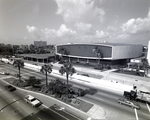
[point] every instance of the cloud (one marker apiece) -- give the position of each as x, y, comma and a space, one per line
101, 34
63, 31
83, 27
80, 11
137, 26
33, 31
111, 28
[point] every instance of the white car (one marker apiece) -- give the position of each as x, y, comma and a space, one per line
32, 100
4, 73
129, 103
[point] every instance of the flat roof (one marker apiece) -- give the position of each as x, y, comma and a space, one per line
39, 56
106, 44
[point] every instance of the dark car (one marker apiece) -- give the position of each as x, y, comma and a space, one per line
10, 88
85, 75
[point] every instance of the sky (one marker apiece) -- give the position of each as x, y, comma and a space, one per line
74, 21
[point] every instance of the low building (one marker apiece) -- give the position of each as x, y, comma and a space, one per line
24, 47
43, 58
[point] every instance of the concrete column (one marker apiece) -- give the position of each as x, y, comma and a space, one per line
78, 60
69, 59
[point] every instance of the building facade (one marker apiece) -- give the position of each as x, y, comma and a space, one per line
40, 43
107, 53
148, 53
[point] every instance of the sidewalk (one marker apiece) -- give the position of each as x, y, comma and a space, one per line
89, 110
142, 83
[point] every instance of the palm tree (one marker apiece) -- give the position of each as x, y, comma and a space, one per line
145, 66
47, 68
67, 69
18, 63
98, 52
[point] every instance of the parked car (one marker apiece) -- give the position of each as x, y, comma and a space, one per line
84, 74
129, 103
10, 88
32, 100
98, 67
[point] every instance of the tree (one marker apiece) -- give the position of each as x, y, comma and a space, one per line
98, 52
67, 69
47, 68
64, 51
145, 66
18, 63
32, 81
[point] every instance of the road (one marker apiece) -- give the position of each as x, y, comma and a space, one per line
14, 107
103, 98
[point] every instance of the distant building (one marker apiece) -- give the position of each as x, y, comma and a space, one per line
2, 44
24, 47
16, 47
103, 53
8, 45
40, 43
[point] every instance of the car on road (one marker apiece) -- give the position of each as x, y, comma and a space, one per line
129, 103
10, 88
4, 73
32, 100
84, 74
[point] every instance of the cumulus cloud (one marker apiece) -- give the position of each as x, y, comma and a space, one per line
136, 26
63, 31
83, 27
33, 31
80, 10
101, 34
111, 28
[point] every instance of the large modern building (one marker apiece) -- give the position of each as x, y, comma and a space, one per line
105, 53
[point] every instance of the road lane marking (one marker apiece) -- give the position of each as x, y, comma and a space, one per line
56, 112
146, 114
27, 92
136, 115
72, 115
148, 107
39, 118
45, 106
